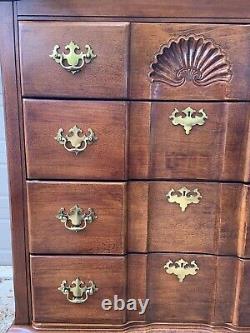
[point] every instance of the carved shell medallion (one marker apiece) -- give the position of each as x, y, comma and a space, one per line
190, 58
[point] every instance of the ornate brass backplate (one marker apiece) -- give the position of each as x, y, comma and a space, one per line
188, 118
181, 268
184, 197
74, 141
78, 292
73, 61
76, 220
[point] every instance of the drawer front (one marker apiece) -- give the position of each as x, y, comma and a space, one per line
177, 294
51, 305
104, 68
190, 61
52, 153
188, 217
60, 227
180, 140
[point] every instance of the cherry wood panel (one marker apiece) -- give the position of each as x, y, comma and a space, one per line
47, 159
159, 149
104, 77
224, 300
106, 234
51, 306
15, 162
134, 328
217, 224
147, 39
196, 298
137, 8
243, 304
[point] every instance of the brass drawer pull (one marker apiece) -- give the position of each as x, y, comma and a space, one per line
184, 197
76, 220
73, 141
181, 268
73, 62
78, 292
188, 118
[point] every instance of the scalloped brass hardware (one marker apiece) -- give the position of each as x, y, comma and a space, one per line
73, 142
181, 268
76, 220
78, 292
190, 118
184, 197
73, 62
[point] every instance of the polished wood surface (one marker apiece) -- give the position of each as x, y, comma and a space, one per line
202, 298
47, 159
197, 298
137, 8
158, 149
104, 77
216, 225
107, 234
50, 305
138, 158
15, 162
146, 40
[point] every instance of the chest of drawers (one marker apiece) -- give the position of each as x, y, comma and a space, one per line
128, 129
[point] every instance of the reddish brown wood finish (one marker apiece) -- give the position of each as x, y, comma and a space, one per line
217, 298
146, 40
51, 306
47, 159
104, 77
107, 234
15, 170
158, 149
137, 8
217, 224
170, 300
196, 298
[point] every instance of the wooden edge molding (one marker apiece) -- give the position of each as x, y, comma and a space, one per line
151, 328
7, 61
137, 8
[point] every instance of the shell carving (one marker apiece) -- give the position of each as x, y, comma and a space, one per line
190, 58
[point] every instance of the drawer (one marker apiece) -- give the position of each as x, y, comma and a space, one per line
179, 140
58, 226
75, 71
56, 148
190, 61
189, 217
191, 288
51, 305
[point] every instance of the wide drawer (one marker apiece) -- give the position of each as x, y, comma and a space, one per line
190, 61
189, 217
101, 74
77, 218
57, 149
51, 305
187, 288
190, 140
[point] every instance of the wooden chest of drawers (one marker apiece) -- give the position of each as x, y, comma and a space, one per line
128, 128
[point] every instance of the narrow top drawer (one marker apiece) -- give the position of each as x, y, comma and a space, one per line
53, 65
190, 61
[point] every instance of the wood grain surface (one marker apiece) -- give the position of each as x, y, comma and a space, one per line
147, 39
104, 77
47, 159
160, 150
107, 234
